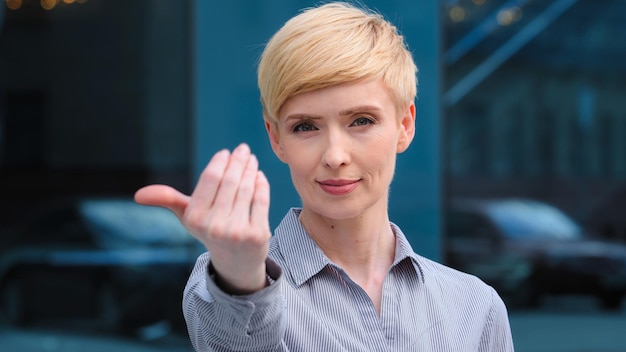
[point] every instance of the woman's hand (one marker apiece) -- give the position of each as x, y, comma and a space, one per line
228, 212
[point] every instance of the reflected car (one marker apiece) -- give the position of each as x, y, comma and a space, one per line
109, 261
527, 249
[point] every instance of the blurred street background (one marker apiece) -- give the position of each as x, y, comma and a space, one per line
517, 173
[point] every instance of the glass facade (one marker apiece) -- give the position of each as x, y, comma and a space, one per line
534, 102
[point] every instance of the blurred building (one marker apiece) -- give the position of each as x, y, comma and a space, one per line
535, 102
94, 99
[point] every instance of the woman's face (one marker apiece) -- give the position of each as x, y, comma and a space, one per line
340, 144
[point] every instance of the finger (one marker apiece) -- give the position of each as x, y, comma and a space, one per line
227, 192
210, 179
163, 196
260, 210
245, 191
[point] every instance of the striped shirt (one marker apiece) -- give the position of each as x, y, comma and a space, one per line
312, 305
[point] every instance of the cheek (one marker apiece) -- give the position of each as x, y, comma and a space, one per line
299, 164
383, 146
382, 156
300, 176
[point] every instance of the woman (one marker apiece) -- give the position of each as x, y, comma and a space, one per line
338, 88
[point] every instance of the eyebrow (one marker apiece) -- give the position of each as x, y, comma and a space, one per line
360, 108
302, 117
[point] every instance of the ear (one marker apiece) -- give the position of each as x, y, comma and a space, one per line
406, 128
272, 133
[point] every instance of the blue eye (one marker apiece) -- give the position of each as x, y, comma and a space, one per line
362, 121
304, 127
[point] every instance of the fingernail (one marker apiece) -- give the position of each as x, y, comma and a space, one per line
243, 148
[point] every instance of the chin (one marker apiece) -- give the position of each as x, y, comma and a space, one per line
337, 210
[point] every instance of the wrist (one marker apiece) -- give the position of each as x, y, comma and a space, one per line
240, 284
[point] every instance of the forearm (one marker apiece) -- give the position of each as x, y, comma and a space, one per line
217, 321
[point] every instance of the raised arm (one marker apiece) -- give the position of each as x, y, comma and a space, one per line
228, 212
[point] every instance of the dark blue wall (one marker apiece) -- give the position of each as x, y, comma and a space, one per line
229, 37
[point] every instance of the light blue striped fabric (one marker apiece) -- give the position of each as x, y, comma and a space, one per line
314, 306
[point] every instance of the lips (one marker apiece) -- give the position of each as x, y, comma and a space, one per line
338, 187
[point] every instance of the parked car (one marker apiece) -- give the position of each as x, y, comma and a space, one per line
527, 248
608, 217
110, 261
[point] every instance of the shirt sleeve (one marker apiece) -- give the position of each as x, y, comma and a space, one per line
496, 335
217, 321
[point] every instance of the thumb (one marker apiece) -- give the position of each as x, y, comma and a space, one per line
163, 196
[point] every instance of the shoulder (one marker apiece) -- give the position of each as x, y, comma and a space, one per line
436, 275
468, 299
442, 271
454, 285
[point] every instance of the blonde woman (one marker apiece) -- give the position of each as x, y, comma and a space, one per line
338, 87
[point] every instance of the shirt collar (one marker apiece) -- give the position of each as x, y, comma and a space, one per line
404, 251
304, 258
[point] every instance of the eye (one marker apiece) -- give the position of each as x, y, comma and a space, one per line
304, 127
362, 121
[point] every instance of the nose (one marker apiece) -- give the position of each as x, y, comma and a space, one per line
337, 150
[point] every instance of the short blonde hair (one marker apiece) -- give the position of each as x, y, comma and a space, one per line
333, 44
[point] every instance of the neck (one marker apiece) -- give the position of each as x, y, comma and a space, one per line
362, 246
